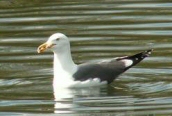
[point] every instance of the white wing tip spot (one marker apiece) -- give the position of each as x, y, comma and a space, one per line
127, 62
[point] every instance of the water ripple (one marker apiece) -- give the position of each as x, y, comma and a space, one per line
97, 30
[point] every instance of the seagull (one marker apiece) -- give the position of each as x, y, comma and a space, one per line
69, 74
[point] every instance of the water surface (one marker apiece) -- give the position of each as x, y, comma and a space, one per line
97, 30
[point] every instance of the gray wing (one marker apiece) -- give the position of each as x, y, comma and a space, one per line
105, 71
109, 70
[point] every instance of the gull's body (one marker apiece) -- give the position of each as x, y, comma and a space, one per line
68, 74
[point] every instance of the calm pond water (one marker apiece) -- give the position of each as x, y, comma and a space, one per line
97, 30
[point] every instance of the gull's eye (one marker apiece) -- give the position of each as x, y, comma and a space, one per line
57, 39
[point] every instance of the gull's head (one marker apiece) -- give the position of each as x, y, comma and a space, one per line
56, 42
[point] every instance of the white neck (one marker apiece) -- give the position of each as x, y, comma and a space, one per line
64, 68
63, 64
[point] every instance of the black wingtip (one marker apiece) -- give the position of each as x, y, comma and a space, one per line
147, 52
139, 57
142, 55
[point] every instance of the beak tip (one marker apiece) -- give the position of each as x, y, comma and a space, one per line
38, 52
42, 48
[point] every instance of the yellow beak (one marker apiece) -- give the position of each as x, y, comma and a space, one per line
44, 46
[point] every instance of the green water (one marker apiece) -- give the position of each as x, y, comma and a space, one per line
97, 30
